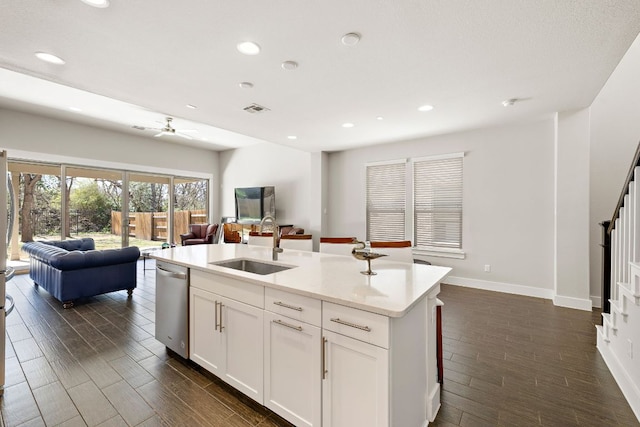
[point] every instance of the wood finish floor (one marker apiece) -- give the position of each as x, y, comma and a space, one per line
521, 361
509, 361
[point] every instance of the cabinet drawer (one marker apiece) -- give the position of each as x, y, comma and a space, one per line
294, 306
361, 325
238, 290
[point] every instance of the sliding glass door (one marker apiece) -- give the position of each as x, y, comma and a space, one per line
37, 213
114, 207
191, 196
148, 218
93, 202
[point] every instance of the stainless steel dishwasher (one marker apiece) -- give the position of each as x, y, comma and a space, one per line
172, 307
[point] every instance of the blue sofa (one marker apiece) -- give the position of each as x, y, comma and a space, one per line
72, 269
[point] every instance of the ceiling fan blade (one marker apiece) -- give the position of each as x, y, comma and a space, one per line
189, 130
158, 134
183, 135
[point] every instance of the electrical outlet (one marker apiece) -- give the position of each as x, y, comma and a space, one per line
630, 350
487, 268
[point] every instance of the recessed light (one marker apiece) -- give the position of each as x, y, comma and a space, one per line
292, 137
97, 3
289, 65
245, 85
193, 107
48, 57
425, 108
350, 39
76, 109
347, 125
248, 48
379, 118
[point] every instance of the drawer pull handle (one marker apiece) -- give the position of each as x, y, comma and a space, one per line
221, 327
280, 322
353, 325
216, 316
324, 359
281, 304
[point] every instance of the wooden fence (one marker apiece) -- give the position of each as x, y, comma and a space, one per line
154, 226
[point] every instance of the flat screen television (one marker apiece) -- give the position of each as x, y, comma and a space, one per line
253, 203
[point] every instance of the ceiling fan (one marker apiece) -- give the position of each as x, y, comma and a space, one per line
168, 130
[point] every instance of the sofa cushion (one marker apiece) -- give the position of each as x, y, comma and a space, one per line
64, 260
84, 244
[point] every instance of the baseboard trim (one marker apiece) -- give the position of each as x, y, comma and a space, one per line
570, 302
629, 389
596, 301
509, 288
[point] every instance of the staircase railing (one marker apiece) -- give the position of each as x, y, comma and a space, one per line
625, 189
621, 321
621, 243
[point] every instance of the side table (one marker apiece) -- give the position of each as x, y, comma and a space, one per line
146, 254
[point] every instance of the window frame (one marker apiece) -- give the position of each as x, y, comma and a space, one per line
409, 206
406, 191
437, 251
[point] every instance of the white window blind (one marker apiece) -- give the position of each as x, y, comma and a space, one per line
437, 199
386, 201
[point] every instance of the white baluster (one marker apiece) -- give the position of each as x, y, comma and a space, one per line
614, 264
623, 245
628, 231
632, 221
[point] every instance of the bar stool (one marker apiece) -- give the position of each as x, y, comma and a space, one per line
395, 251
300, 242
337, 245
257, 239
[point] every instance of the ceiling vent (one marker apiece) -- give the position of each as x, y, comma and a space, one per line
255, 109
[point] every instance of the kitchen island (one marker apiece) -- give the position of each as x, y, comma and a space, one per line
319, 343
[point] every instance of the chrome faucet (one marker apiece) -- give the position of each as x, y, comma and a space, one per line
276, 231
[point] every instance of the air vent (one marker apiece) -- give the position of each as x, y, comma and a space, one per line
138, 127
255, 109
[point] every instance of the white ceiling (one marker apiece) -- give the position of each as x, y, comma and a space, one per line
136, 62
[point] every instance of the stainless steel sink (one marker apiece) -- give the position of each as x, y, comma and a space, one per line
252, 266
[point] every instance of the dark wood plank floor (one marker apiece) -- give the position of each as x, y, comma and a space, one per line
520, 361
509, 361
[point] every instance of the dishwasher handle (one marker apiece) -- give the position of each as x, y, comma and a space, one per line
172, 274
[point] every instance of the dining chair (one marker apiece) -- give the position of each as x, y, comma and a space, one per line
300, 242
257, 239
231, 233
395, 251
337, 245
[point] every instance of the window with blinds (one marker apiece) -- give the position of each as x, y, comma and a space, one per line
386, 200
437, 201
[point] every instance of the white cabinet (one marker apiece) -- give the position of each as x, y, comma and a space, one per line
377, 369
205, 342
313, 362
292, 376
355, 390
227, 339
292, 386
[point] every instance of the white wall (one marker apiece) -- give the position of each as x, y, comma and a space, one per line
572, 211
41, 138
267, 164
508, 199
615, 134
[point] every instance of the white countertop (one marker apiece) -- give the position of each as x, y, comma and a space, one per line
334, 278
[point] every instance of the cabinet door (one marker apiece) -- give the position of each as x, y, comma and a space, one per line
205, 341
355, 389
292, 375
242, 333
